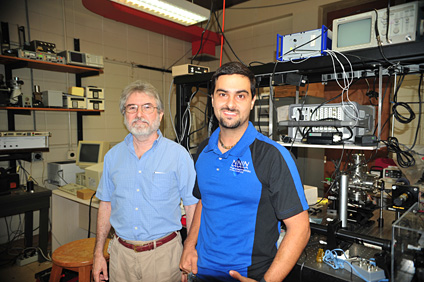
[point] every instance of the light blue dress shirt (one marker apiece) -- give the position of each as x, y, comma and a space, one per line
145, 193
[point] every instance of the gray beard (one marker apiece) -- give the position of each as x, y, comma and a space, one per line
142, 131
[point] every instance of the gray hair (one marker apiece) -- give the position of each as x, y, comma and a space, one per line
140, 86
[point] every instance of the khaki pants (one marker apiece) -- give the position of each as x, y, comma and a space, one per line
157, 265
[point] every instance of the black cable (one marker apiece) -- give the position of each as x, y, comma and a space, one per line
335, 97
89, 215
300, 113
7, 229
27, 173
202, 111
186, 118
398, 116
201, 128
419, 113
178, 59
197, 130
404, 158
256, 62
203, 32
401, 118
351, 134
322, 104
225, 38
373, 93
388, 86
377, 35
349, 154
310, 128
16, 234
204, 121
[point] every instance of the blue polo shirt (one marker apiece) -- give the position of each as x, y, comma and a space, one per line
145, 193
245, 193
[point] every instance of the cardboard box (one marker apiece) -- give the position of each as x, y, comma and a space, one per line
85, 194
311, 193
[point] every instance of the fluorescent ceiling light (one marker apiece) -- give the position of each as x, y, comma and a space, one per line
179, 11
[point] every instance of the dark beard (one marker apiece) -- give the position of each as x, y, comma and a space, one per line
225, 125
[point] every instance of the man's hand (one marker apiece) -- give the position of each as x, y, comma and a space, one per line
239, 277
188, 262
100, 268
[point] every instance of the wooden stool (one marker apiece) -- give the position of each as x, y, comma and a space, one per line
76, 256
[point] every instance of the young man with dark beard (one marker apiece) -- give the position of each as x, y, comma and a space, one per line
246, 184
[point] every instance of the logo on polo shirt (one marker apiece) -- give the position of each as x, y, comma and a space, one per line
239, 166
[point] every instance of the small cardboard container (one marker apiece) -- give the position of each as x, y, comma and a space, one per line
85, 194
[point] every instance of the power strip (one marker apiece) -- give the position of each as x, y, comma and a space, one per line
24, 261
366, 268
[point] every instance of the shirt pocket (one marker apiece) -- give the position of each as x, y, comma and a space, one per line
163, 185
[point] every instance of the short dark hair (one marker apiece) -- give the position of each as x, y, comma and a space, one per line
234, 68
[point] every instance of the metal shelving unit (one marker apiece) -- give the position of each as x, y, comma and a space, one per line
12, 63
369, 62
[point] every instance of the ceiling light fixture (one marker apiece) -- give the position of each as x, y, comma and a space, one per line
179, 11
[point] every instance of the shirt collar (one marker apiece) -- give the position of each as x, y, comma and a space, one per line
239, 149
129, 141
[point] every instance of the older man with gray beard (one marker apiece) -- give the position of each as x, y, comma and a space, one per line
144, 178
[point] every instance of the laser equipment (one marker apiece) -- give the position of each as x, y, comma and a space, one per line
329, 121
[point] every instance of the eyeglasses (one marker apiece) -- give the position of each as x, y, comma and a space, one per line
146, 108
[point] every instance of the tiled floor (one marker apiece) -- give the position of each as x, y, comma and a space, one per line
26, 273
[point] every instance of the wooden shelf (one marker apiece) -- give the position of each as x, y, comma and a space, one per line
19, 151
15, 63
11, 63
50, 109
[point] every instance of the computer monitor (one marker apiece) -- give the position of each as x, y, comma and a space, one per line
92, 176
91, 152
354, 32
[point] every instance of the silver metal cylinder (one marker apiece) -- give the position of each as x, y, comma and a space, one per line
343, 199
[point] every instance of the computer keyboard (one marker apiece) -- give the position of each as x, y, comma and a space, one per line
71, 188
